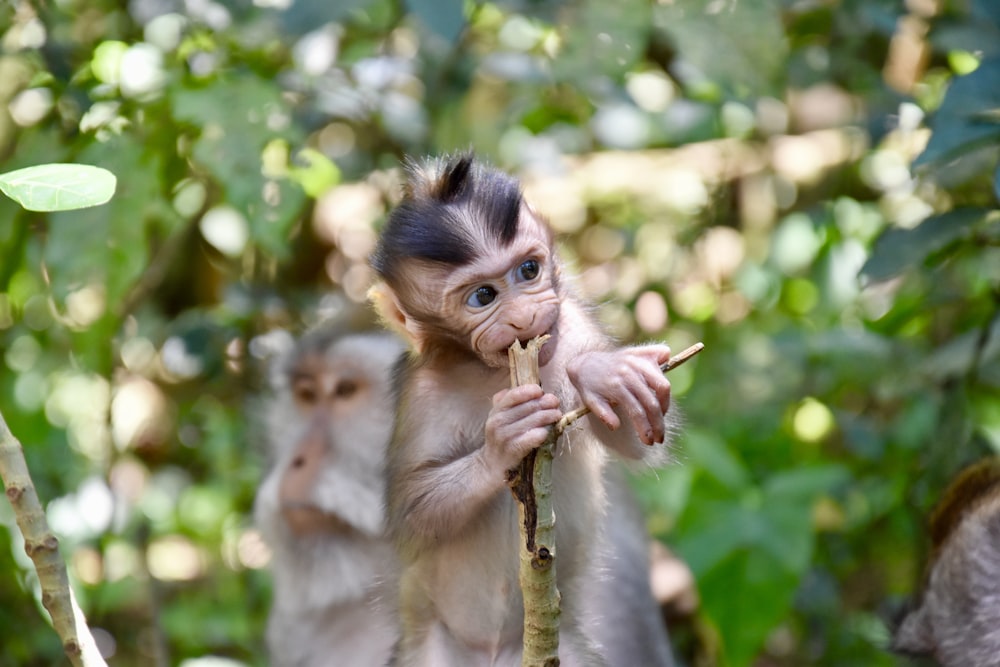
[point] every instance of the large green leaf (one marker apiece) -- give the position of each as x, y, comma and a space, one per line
740, 46
897, 250
968, 117
746, 597
748, 558
804, 484
708, 450
749, 552
58, 187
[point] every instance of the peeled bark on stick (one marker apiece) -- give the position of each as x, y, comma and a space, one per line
531, 485
43, 548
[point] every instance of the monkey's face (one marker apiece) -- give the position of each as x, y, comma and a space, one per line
330, 423
507, 293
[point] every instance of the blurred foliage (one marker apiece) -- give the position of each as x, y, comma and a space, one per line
810, 188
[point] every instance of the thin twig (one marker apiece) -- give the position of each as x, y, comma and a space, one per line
674, 362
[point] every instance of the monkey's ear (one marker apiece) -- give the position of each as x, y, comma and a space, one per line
392, 314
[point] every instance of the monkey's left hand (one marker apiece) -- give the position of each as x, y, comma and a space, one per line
629, 379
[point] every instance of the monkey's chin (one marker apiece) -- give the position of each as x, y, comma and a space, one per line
306, 520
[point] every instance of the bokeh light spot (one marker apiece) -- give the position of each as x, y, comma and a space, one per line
812, 421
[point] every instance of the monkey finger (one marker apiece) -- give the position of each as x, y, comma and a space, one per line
659, 386
527, 441
645, 417
506, 398
662, 353
537, 418
658, 353
602, 409
530, 409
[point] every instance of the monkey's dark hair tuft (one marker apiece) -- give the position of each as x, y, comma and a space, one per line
444, 200
454, 179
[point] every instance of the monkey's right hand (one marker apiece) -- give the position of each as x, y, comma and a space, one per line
518, 422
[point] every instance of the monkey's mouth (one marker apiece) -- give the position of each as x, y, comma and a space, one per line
305, 519
548, 350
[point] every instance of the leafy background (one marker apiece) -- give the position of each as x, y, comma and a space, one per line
810, 188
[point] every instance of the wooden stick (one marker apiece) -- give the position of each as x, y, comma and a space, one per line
531, 484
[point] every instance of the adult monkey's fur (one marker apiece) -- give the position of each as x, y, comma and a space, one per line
320, 506
956, 618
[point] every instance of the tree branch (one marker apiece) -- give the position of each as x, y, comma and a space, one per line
43, 548
531, 484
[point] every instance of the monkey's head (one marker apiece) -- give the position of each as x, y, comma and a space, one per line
329, 422
466, 265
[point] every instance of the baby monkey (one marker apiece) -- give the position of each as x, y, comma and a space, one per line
957, 616
467, 267
320, 507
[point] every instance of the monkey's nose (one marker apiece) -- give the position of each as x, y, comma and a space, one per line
522, 320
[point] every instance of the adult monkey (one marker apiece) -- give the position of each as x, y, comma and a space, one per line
957, 616
467, 268
328, 421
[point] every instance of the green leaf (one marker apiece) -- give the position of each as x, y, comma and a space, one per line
738, 45
58, 187
804, 484
749, 553
967, 116
897, 250
713, 530
746, 597
319, 175
709, 451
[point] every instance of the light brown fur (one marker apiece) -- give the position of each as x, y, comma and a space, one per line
460, 428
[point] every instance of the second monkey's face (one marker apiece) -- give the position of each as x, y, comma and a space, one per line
507, 293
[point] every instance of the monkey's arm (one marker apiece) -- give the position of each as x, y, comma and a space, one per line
433, 496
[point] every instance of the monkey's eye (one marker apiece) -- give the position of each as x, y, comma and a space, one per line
483, 296
345, 388
305, 392
528, 269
